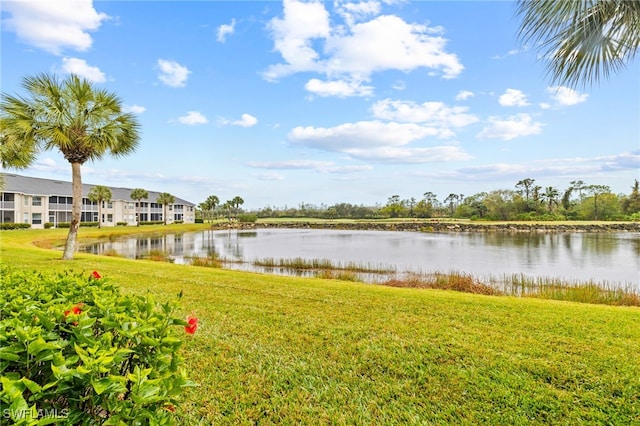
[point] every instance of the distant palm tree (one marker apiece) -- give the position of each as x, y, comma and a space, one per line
209, 205
165, 198
551, 196
82, 122
99, 194
228, 205
139, 194
236, 202
583, 39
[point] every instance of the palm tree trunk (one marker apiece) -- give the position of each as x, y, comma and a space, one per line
76, 212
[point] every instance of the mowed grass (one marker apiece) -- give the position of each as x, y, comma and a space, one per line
286, 350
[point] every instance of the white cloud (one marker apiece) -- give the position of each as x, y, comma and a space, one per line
513, 97
302, 22
224, 30
246, 120
82, 69
338, 88
136, 109
463, 95
388, 42
353, 53
270, 176
192, 118
172, 73
513, 127
362, 134
378, 141
53, 25
565, 96
408, 155
512, 52
319, 166
435, 113
353, 12
577, 167
399, 85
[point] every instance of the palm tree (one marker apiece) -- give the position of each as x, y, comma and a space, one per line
228, 205
71, 115
99, 194
210, 204
551, 195
165, 198
236, 202
139, 194
584, 39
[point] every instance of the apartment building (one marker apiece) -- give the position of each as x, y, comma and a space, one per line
36, 201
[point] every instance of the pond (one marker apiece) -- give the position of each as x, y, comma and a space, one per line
603, 257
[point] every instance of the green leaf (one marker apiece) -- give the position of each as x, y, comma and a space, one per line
100, 385
31, 385
7, 354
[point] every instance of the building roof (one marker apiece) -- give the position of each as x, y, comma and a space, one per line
48, 187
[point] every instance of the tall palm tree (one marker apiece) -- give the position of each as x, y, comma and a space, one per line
71, 115
236, 202
165, 199
209, 204
100, 194
551, 196
139, 194
583, 39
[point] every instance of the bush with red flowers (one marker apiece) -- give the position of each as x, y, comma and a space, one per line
73, 350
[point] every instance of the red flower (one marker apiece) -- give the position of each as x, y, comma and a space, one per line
96, 275
193, 325
76, 310
170, 407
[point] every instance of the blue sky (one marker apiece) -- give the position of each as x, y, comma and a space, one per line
326, 102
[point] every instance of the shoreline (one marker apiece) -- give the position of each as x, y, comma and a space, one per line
441, 226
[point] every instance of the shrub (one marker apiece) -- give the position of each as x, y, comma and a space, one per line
151, 222
48, 225
199, 220
74, 350
82, 224
121, 223
247, 218
12, 225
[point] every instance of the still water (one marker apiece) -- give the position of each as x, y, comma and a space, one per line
610, 257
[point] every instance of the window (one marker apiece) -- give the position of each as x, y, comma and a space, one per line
25, 218
36, 201
109, 218
36, 218
26, 202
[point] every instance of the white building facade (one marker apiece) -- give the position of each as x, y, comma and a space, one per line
37, 201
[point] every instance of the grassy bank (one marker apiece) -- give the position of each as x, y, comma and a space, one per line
308, 351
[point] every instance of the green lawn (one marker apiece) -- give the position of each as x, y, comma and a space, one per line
284, 350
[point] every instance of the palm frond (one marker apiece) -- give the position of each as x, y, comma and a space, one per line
583, 40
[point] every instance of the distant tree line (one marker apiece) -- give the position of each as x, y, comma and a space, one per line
526, 202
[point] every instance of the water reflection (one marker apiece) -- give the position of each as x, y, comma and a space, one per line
612, 257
